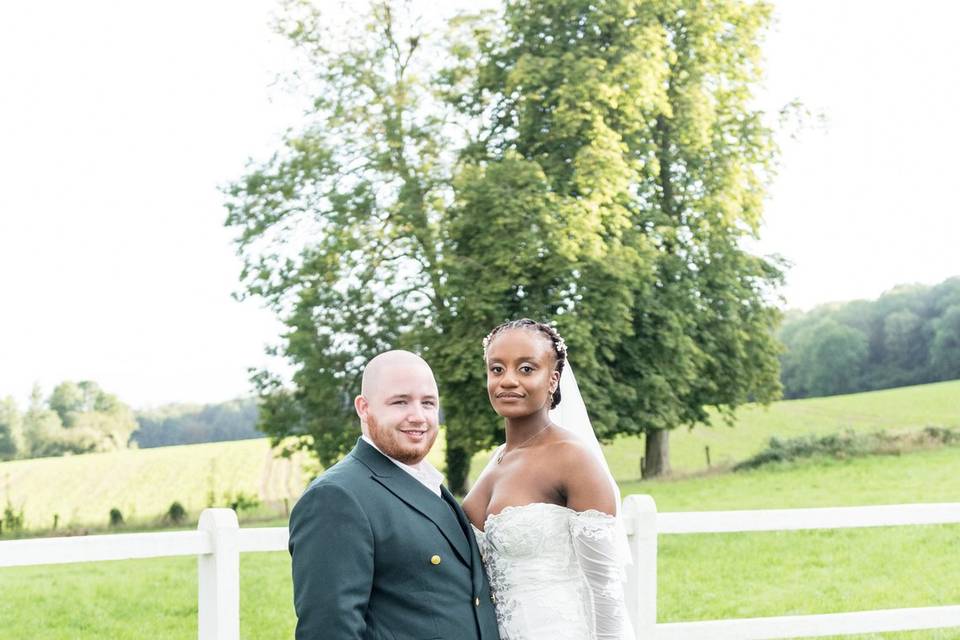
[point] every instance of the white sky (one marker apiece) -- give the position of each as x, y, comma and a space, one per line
119, 121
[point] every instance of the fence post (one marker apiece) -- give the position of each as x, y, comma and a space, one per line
640, 518
218, 599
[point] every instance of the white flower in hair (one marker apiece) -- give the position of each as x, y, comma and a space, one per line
561, 345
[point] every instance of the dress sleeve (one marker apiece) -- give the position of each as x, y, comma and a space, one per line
595, 544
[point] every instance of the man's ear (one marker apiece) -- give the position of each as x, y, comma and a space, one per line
361, 405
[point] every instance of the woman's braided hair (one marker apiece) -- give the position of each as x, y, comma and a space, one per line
559, 346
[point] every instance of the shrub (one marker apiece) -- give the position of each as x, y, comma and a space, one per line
12, 519
942, 435
176, 513
849, 444
242, 501
116, 517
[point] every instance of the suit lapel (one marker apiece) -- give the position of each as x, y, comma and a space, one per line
409, 490
476, 564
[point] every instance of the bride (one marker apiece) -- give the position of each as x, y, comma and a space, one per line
544, 509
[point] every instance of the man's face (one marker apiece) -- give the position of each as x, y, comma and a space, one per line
400, 414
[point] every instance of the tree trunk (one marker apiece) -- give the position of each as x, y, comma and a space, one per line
458, 469
656, 452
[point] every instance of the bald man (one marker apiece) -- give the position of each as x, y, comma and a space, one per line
381, 550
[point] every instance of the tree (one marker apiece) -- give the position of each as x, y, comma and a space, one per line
368, 179
639, 117
76, 418
42, 428
67, 399
11, 430
906, 343
94, 420
945, 352
704, 328
594, 164
836, 355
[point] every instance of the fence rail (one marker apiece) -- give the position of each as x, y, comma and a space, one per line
218, 543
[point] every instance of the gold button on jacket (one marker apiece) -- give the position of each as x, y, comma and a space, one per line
435, 560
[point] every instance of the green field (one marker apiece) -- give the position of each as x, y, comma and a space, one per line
143, 483
701, 577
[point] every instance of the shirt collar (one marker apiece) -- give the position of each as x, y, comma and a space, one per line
423, 471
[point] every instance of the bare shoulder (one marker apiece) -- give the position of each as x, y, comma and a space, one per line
584, 479
572, 453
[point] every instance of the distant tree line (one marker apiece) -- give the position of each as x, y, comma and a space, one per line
188, 424
77, 417
910, 335
80, 417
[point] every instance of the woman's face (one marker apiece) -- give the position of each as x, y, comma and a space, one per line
521, 375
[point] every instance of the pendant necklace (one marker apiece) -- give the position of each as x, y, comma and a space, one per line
503, 452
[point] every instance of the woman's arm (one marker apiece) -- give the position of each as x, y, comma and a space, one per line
593, 530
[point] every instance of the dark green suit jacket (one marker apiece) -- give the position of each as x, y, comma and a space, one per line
378, 556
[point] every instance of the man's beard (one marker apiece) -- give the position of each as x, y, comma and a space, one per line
388, 440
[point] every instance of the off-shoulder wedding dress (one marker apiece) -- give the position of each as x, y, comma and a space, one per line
555, 574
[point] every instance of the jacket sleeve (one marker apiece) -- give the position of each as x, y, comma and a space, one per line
331, 545
594, 541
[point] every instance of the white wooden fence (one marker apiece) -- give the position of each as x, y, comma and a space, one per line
218, 542
644, 524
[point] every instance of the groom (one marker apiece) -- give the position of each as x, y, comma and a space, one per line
381, 550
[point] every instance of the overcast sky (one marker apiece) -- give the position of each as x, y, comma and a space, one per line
120, 120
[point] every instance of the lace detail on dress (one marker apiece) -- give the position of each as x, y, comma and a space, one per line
543, 589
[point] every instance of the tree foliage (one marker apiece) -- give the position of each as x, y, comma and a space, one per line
909, 335
11, 430
188, 424
596, 164
654, 167
74, 418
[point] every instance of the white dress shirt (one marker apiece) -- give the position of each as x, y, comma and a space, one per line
424, 472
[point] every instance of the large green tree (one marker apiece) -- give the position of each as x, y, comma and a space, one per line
591, 163
341, 230
703, 328
637, 118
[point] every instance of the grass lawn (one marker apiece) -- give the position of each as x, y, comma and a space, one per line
920, 476
701, 577
136, 599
